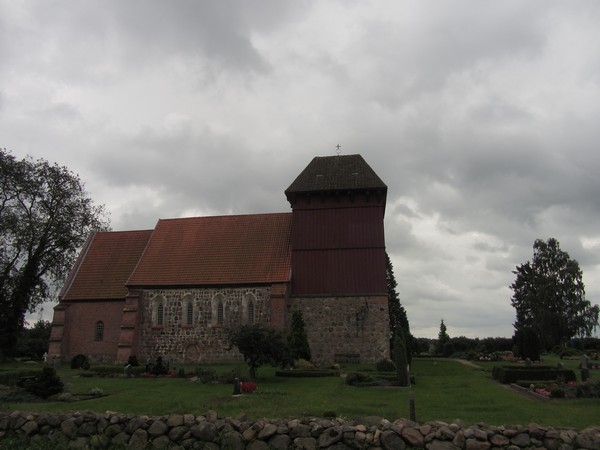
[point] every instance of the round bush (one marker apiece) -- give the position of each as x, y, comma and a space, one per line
385, 365
80, 362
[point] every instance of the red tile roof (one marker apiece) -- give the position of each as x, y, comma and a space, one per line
104, 264
221, 250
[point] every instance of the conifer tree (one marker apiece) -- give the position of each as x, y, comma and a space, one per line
297, 339
397, 313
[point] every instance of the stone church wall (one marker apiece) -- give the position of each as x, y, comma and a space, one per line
205, 340
345, 329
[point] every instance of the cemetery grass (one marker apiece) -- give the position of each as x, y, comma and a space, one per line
445, 390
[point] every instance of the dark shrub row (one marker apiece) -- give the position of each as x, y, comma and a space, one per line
511, 374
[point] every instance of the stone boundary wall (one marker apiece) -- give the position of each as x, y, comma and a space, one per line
82, 430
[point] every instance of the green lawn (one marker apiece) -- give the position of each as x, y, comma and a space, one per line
444, 390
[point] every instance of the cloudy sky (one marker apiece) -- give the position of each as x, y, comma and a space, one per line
482, 117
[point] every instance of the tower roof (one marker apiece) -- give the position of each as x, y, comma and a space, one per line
336, 173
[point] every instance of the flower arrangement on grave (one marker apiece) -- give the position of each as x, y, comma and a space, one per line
247, 387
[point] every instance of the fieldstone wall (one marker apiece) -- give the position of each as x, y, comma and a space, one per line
205, 340
83, 430
339, 327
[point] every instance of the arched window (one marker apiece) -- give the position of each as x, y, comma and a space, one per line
99, 331
250, 312
189, 314
218, 310
249, 309
160, 314
220, 314
158, 311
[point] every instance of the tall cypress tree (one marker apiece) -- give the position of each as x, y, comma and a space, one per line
397, 313
297, 339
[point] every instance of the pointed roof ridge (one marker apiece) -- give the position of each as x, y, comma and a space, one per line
336, 173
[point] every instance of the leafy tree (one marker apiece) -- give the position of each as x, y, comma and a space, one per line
443, 339
260, 345
297, 339
549, 297
33, 342
398, 317
45, 217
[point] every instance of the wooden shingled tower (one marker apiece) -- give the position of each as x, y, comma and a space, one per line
338, 243
338, 258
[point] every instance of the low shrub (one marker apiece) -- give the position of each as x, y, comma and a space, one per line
205, 375
80, 362
44, 385
228, 377
133, 361
385, 365
18, 395
511, 374
160, 367
557, 393
589, 389
10, 378
314, 373
303, 364
356, 378
96, 392
107, 370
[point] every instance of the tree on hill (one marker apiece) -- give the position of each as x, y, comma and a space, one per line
398, 318
45, 217
549, 298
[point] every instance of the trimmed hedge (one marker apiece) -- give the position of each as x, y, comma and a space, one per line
511, 374
112, 371
308, 373
10, 378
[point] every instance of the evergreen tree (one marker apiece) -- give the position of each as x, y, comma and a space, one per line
297, 339
400, 359
398, 318
443, 340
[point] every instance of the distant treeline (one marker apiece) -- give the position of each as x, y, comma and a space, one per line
464, 345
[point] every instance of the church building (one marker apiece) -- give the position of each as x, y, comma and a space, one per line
175, 291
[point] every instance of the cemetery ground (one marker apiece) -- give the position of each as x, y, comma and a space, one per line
445, 390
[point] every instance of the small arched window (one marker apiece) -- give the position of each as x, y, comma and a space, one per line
160, 313
250, 312
189, 319
99, 331
220, 314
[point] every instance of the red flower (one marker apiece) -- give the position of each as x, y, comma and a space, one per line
247, 387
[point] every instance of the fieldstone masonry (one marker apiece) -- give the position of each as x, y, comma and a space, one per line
88, 430
345, 325
204, 340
